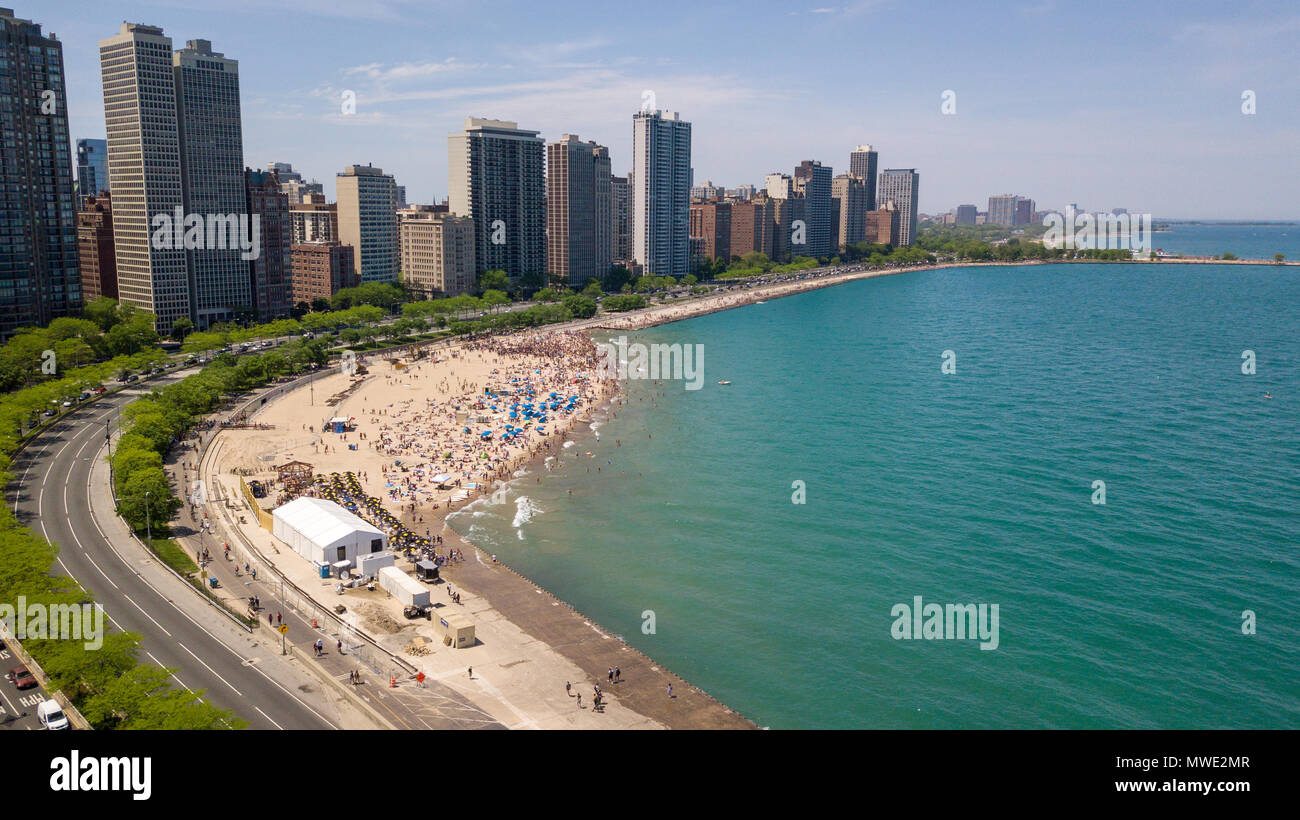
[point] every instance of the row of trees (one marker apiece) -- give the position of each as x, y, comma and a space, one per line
107, 331
108, 685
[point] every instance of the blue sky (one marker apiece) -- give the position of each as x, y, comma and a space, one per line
1107, 104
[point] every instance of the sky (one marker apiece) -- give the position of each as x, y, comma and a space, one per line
1106, 104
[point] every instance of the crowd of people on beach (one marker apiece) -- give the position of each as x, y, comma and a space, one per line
451, 445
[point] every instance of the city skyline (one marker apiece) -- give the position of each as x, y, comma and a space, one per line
581, 76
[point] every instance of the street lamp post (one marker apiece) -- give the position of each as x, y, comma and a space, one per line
148, 525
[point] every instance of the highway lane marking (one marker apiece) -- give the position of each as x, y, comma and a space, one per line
146, 614
268, 717
90, 430
33, 455
163, 666
213, 671
197, 625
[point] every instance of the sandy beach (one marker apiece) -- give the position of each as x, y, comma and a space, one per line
425, 431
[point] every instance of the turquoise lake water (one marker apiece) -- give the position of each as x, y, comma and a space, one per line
1247, 241
973, 487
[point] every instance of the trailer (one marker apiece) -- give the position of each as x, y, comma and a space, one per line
403, 587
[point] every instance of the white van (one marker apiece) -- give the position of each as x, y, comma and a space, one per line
51, 715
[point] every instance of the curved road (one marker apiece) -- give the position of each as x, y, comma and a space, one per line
51, 494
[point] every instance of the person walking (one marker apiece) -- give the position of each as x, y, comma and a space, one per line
471, 673
670, 690
618, 675
568, 689
610, 676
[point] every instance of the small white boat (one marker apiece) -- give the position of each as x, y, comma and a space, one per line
724, 382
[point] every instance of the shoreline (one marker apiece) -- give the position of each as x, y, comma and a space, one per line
525, 607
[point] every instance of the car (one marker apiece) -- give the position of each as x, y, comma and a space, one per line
21, 677
99, 391
51, 715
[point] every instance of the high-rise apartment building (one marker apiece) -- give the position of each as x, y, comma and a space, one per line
320, 270
620, 221
144, 169
813, 181
966, 214
1002, 209
292, 184
849, 209
862, 164
880, 227
270, 272
578, 210
313, 219
1024, 211
661, 193
437, 252
367, 220
212, 176
95, 248
92, 168
38, 211
900, 186
752, 227
496, 177
711, 223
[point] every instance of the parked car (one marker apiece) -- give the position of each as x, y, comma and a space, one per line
51, 715
21, 677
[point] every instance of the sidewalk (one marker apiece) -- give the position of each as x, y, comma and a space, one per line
289, 673
518, 681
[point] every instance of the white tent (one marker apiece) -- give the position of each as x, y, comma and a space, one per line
324, 532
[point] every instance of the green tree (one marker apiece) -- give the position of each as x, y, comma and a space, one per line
493, 280
495, 298
181, 328
142, 699
579, 306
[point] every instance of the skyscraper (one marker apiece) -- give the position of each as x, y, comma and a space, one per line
496, 176
38, 245
752, 227
901, 186
966, 214
661, 195
212, 176
271, 271
367, 219
849, 206
862, 164
1002, 210
813, 180
620, 223
711, 224
92, 168
144, 169
577, 210
95, 248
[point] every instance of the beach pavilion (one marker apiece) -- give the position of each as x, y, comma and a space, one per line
324, 532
